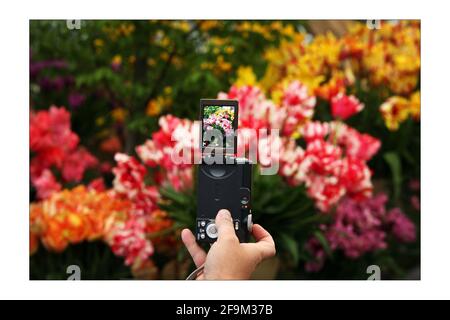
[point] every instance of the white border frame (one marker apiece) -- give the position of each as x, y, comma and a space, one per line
14, 191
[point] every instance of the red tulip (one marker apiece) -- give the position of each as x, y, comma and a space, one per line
343, 106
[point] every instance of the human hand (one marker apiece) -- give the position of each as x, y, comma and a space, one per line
227, 258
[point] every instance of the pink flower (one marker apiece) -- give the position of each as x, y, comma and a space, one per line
97, 185
298, 104
358, 226
315, 130
359, 145
355, 176
50, 135
291, 157
343, 106
326, 170
256, 111
320, 169
415, 202
333, 164
179, 178
150, 153
130, 181
45, 184
55, 146
402, 227
76, 163
314, 248
50, 131
130, 241
174, 136
129, 175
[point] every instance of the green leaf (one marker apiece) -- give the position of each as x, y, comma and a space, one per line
324, 242
291, 245
174, 196
395, 165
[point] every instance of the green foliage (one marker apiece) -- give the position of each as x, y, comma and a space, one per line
393, 160
210, 110
128, 64
398, 160
182, 207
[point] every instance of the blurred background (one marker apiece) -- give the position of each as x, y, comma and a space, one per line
106, 97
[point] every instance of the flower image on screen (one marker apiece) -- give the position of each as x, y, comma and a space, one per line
220, 118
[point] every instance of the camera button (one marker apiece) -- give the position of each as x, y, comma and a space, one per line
244, 200
217, 172
250, 222
211, 230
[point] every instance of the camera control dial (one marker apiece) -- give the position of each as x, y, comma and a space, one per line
211, 230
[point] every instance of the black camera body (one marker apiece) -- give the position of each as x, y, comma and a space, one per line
223, 184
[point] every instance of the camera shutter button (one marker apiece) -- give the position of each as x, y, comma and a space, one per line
211, 230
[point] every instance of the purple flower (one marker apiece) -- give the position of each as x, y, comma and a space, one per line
59, 83
415, 202
57, 64
45, 84
35, 68
402, 227
360, 227
38, 66
76, 99
314, 247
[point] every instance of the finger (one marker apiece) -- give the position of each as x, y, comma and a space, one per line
264, 241
224, 225
196, 252
260, 233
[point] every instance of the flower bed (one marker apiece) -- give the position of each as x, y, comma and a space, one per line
347, 191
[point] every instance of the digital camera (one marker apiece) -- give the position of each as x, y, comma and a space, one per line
224, 181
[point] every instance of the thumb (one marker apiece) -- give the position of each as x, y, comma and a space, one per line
265, 243
224, 224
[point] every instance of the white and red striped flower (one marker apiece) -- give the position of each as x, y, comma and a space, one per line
129, 241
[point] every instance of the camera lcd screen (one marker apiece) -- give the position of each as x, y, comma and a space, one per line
218, 127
